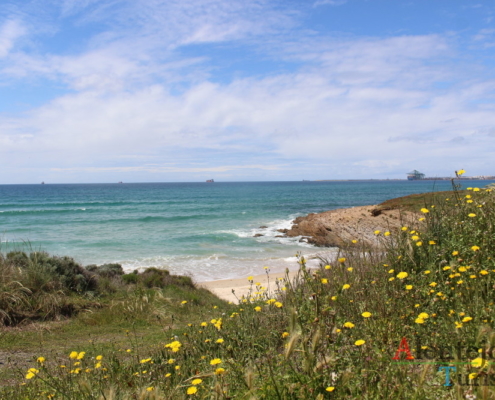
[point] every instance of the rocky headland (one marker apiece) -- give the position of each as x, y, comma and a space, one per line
336, 227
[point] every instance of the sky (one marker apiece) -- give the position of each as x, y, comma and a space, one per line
245, 90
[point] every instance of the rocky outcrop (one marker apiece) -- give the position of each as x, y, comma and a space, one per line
336, 227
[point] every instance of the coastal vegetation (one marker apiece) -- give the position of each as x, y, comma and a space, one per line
410, 319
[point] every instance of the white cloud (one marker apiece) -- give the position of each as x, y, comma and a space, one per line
353, 107
329, 2
10, 31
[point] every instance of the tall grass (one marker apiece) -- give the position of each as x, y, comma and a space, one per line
330, 332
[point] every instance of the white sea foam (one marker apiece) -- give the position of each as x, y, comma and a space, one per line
272, 233
221, 266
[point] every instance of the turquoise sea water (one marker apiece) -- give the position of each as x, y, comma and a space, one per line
201, 229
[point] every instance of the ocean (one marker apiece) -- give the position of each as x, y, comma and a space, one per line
205, 230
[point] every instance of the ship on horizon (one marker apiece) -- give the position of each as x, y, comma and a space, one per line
210, 181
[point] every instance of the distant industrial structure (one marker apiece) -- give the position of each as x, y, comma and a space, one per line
415, 176
419, 176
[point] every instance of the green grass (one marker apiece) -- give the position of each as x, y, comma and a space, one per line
328, 333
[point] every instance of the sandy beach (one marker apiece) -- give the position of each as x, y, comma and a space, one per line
242, 286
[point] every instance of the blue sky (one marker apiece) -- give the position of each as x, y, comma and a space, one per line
187, 90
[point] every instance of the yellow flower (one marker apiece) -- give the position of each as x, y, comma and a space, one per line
460, 172
475, 248
219, 371
330, 389
427, 272
404, 228
285, 334
167, 375
145, 360
73, 354
174, 346
250, 278
204, 324
177, 367
476, 189
81, 355
423, 315
419, 244
402, 275
354, 241
350, 269
455, 253
183, 302
433, 284
458, 325
359, 342
421, 219
215, 361
346, 286
409, 287
328, 266
278, 304
349, 325
466, 319
334, 298
419, 320
425, 210
192, 390
478, 362
150, 389
391, 279
415, 237
341, 260
196, 381
471, 215
366, 314
386, 233
99, 358
41, 360
324, 281
377, 232
484, 272
257, 308
31, 373
220, 341
432, 242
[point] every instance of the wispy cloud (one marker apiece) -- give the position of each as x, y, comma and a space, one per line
329, 2
10, 31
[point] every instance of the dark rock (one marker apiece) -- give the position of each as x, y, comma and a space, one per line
258, 235
282, 230
263, 227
